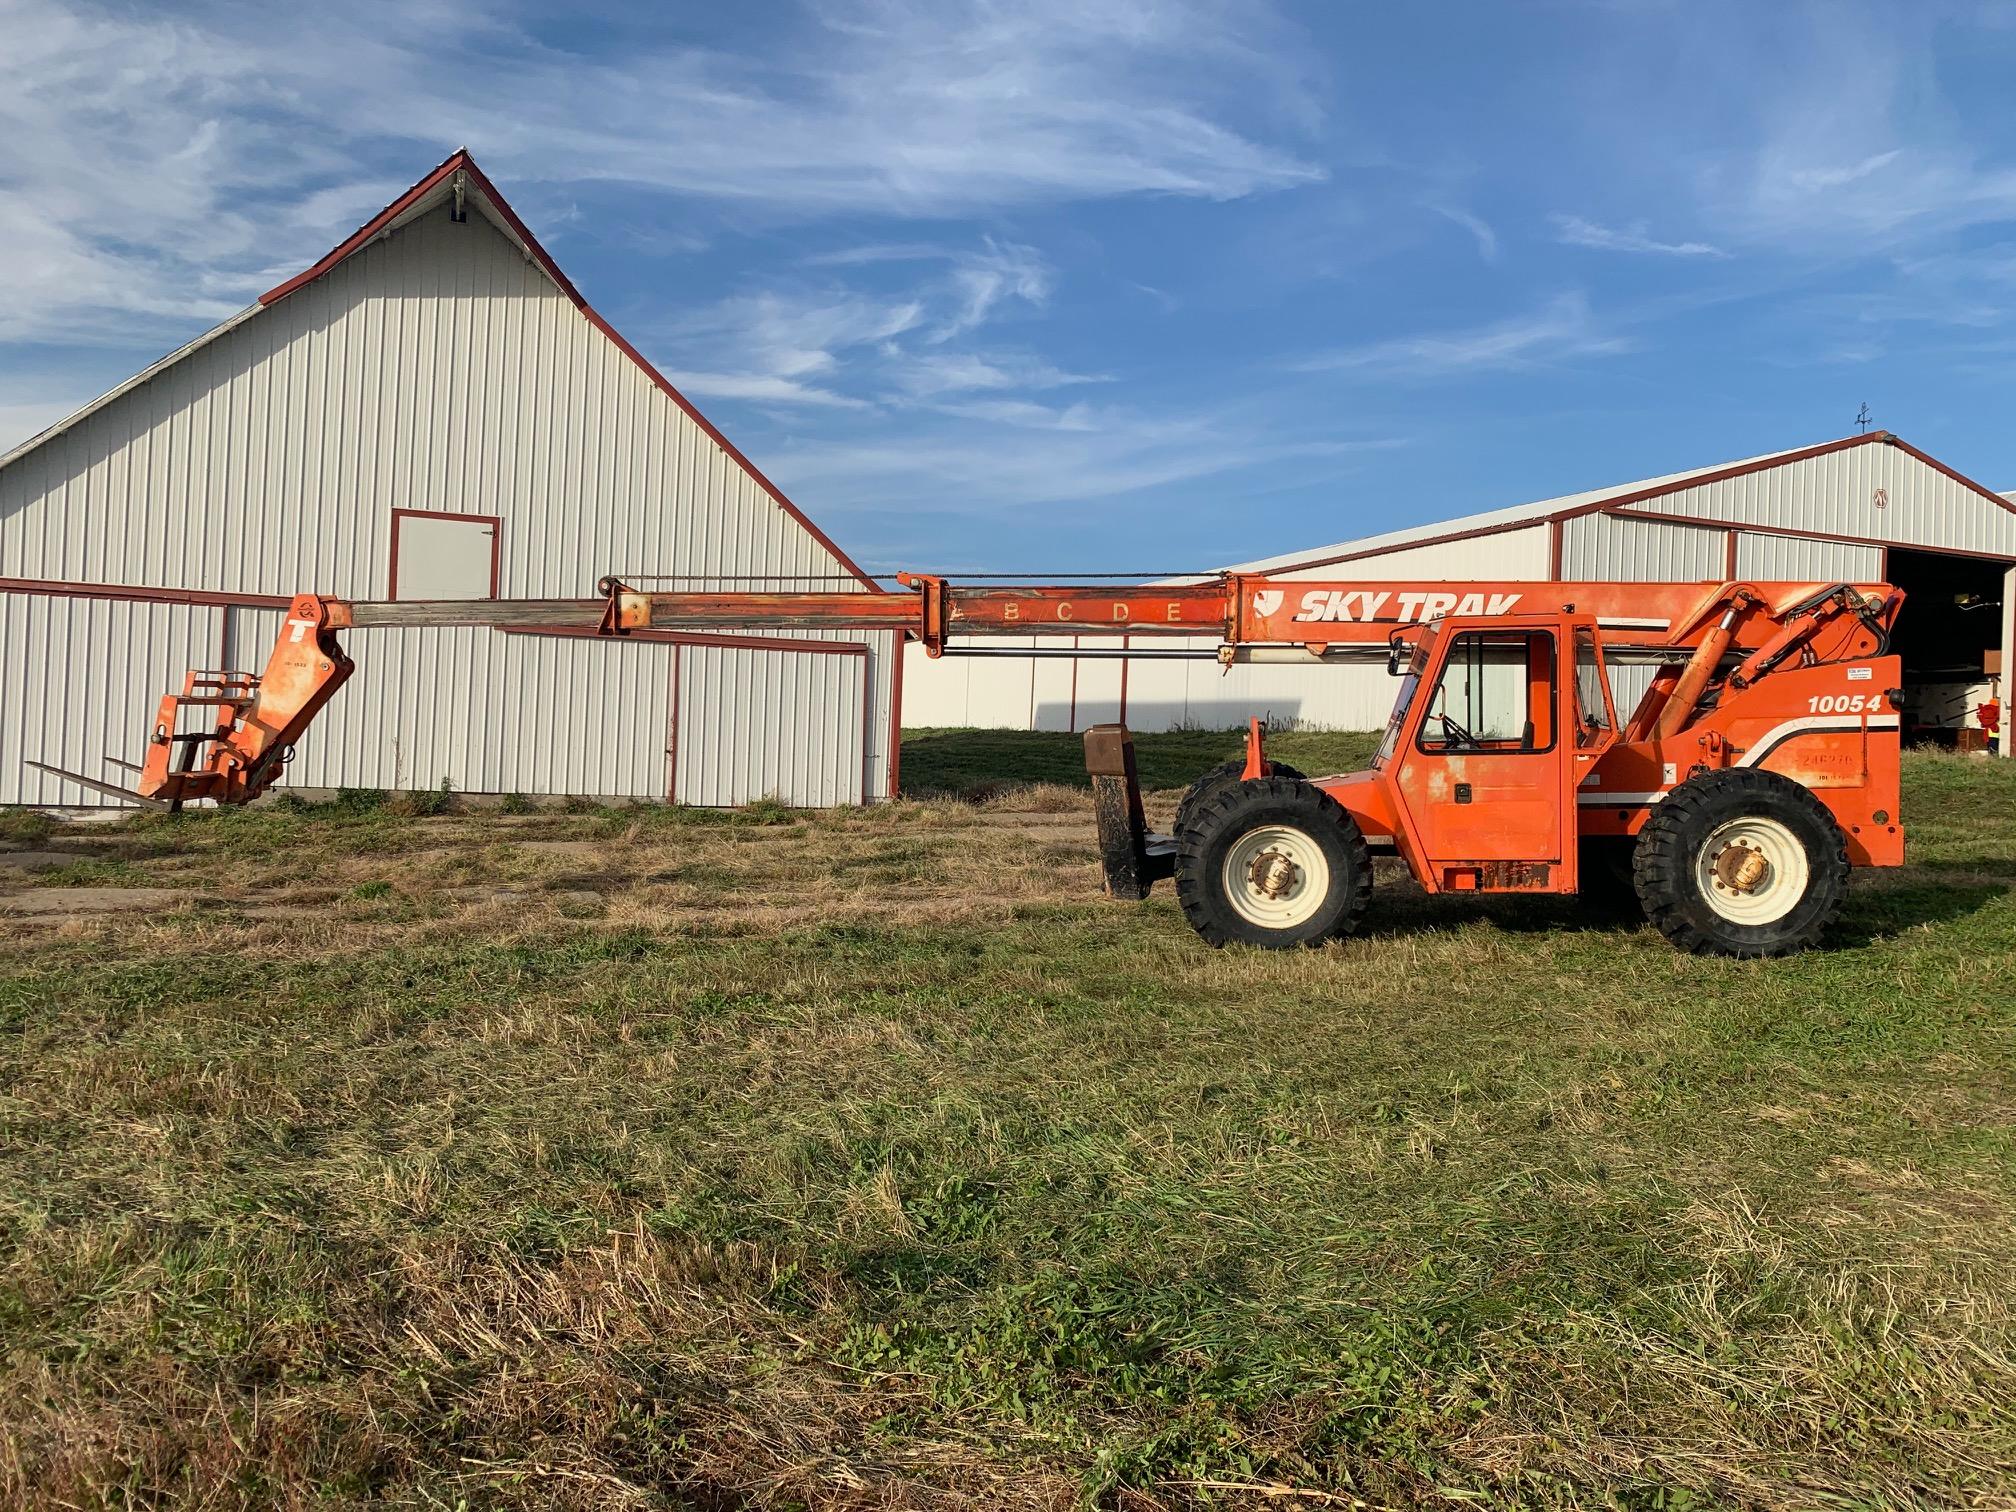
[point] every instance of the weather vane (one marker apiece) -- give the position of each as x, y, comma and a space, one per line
1863, 417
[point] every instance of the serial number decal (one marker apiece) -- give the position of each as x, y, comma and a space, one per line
1845, 703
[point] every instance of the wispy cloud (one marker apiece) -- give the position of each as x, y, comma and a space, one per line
987, 466
835, 345
1562, 330
783, 344
980, 277
999, 271
759, 388
1819, 180
937, 373
1026, 414
1477, 226
1853, 148
152, 154
1574, 231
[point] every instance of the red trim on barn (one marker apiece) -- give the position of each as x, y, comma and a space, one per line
896, 716
672, 732
1611, 502
1958, 477
461, 162
1737, 526
496, 545
867, 725
1072, 727
727, 446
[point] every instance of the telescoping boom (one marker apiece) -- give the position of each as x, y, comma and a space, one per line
1758, 766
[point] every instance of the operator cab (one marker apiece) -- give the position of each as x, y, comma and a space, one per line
1496, 724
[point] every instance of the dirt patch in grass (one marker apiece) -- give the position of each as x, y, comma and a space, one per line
651, 1158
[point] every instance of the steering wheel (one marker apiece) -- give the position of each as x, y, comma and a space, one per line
1456, 733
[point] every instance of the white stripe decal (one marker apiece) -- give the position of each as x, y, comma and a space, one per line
1777, 735
1609, 623
1774, 737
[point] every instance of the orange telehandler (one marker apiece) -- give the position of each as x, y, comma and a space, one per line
1760, 764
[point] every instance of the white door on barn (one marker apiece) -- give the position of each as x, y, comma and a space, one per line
443, 556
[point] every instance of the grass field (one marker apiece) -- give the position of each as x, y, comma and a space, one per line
965, 762
667, 1159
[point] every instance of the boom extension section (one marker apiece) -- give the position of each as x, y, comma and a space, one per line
1711, 641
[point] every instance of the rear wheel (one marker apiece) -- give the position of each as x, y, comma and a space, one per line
1272, 862
1741, 863
1221, 777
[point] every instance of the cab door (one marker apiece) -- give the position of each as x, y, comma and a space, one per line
1484, 776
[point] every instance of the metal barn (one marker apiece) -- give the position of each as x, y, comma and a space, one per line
430, 411
1863, 509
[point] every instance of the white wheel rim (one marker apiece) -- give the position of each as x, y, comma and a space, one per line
1276, 877
1752, 871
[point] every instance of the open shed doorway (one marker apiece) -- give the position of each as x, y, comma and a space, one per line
1952, 620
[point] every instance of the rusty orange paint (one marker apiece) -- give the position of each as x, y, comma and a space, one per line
256, 720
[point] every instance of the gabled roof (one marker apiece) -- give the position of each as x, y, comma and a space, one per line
456, 177
1591, 501
451, 179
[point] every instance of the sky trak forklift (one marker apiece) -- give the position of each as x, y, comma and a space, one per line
1759, 765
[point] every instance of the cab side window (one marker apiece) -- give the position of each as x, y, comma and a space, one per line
1592, 704
1496, 695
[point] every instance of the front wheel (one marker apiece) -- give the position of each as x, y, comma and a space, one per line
1218, 778
1272, 862
1741, 863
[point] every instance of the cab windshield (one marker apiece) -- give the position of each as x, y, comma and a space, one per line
1410, 684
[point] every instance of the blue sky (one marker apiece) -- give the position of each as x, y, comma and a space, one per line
1074, 284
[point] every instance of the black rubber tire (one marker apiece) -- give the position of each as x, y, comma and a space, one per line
1663, 867
1218, 777
1231, 811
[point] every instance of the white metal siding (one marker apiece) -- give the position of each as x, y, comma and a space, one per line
1203, 695
763, 724
132, 653
1604, 549
960, 691
1779, 558
1050, 693
1095, 696
1838, 492
436, 369
1025, 693
468, 706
